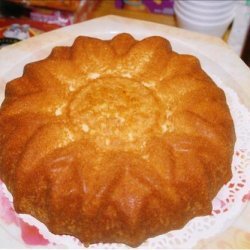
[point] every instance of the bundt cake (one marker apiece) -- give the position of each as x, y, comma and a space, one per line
115, 140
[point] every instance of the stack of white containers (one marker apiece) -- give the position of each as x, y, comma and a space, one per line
207, 16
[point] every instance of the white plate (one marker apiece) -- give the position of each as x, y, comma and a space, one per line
217, 59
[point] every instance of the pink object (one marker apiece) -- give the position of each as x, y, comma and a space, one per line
246, 197
30, 234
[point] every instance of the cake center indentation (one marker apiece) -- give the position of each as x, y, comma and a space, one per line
117, 111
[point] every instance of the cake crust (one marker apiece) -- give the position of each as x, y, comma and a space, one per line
115, 140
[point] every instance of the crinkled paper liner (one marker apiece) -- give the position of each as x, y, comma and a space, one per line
227, 205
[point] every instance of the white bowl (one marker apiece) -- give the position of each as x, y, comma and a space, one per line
215, 29
209, 4
194, 9
203, 18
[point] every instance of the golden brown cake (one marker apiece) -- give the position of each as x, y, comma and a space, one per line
115, 141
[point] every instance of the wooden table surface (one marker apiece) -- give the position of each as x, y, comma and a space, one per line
107, 7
